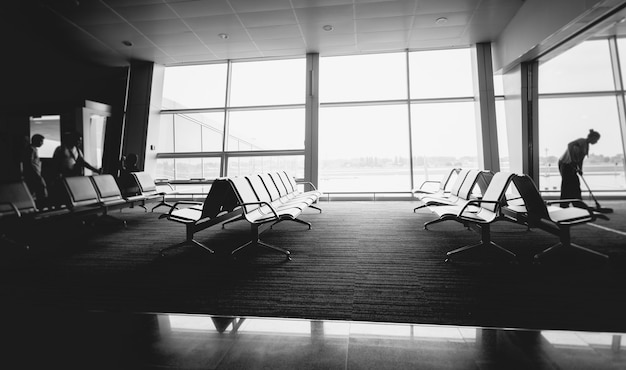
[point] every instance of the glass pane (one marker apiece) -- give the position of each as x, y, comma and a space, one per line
498, 85
621, 50
364, 149
242, 166
202, 86
566, 119
363, 77
166, 133
441, 73
165, 168
585, 67
266, 130
443, 136
268, 83
50, 128
195, 132
503, 137
188, 168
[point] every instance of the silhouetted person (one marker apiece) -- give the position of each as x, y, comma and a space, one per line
127, 183
130, 163
31, 170
68, 158
571, 165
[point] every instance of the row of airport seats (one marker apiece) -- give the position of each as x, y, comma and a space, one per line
262, 200
78, 198
505, 196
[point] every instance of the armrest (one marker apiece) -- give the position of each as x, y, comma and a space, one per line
189, 202
477, 202
574, 202
261, 203
307, 182
425, 182
14, 207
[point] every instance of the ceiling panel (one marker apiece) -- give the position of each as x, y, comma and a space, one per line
201, 8
189, 30
385, 9
384, 24
267, 19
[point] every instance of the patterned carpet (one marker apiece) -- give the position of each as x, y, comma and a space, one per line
368, 261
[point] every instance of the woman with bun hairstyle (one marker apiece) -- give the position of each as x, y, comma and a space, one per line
571, 165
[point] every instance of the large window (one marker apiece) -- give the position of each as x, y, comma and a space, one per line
364, 148
253, 123
381, 113
577, 93
386, 122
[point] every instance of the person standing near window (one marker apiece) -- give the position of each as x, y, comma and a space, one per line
571, 165
68, 158
31, 169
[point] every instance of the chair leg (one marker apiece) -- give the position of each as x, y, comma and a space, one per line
186, 242
565, 243
162, 204
589, 251
294, 220
189, 240
233, 220
256, 241
561, 245
444, 218
484, 242
314, 207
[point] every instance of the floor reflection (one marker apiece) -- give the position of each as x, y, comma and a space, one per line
168, 341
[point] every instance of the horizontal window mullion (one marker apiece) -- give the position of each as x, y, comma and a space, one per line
264, 153
189, 155
397, 101
223, 109
252, 153
584, 94
194, 110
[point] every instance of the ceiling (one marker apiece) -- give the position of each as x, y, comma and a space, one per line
113, 32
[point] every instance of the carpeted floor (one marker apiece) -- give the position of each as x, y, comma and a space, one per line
369, 261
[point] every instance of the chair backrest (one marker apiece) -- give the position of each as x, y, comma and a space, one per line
106, 187
244, 192
270, 186
460, 179
468, 184
80, 191
220, 198
535, 206
448, 179
289, 181
496, 190
280, 185
146, 182
16, 196
259, 188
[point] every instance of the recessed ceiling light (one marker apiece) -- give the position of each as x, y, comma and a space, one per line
441, 20
327, 27
223, 36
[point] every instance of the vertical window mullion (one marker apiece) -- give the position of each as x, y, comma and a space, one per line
619, 86
408, 105
224, 162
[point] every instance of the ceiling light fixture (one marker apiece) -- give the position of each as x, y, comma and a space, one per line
328, 28
223, 36
127, 43
441, 20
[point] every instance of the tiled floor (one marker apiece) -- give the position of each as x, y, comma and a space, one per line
35, 340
